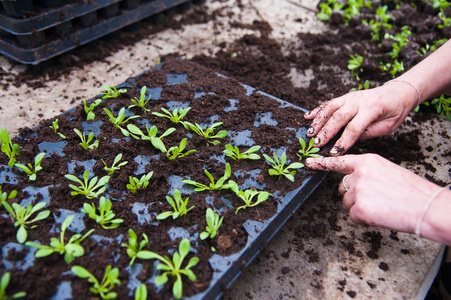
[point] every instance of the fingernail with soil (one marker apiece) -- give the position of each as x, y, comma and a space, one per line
334, 151
317, 141
310, 130
309, 161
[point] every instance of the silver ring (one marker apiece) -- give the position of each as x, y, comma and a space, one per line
344, 184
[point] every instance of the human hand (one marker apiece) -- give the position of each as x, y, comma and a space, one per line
378, 192
364, 114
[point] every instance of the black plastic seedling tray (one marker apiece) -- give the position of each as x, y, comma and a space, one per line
58, 30
225, 269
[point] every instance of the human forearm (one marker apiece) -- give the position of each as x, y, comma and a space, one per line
436, 224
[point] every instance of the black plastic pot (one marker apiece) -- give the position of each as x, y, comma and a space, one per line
31, 40
18, 8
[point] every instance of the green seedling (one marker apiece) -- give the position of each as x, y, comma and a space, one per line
90, 115
208, 133
133, 247
141, 292
115, 167
308, 150
440, 4
139, 184
219, 185
355, 65
141, 102
248, 195
151, 135
173, 267
446, 22
178, 204
392, 68
71, 250
121, 119
4, 282
105, 218
86, 142
21, 215
364, 86
353, 9
234, 152
278, 166
109, 281
88, 187
177, 151
30, 169
442, 106
213, 224
327, 8
10, 149
176, 116
55, 128
112, 92
4, 196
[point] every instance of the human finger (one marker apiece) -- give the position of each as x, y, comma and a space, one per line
343, 187
341, 164
322, 114
381, 128
348, 201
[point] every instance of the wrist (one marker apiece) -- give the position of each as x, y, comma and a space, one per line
411, 92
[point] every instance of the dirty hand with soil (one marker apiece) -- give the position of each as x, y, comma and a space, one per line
376, 191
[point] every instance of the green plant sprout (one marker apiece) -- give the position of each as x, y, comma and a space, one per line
248, 195
355, 65
392, 68
176, 116
87, 187
4, 196
442, 106
121, 119
141, 292
446, 22
234, 152
439, 3
173, 267
106, 216
109, 281
21, 215
353, 9
213, 225
133, 248
327, 8
364, 86
141, 102
10, 149
112, 92
71, 250
208, 133
178, 204
114, 167
219, 185
177, 151
139, 184
4, 282
90, 115
308, 150
30, 169
278, 166
151, 135
86, 142
55, 128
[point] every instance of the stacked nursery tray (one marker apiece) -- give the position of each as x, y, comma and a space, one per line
145, 178
32, 31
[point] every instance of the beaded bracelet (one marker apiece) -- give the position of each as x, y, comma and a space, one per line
411, 84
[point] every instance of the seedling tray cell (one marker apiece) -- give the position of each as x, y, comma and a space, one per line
251, 118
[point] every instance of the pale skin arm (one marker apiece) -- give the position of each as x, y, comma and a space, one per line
380, 111
381, 193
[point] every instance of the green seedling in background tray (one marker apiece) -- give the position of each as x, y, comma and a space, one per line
112, 92
4, 282
133, 248
21, 216
87, 187
213, 225
177, 151
219, 185
141, 102
141, 292
355, 65
446, 21
138, 184
173, 267
4, 196
106, 216
55, 128
442, 106
278, 166
248, 195
109, 281
151, 135
10, 149
30, 169
178, 204
176, 116
392, 68
86, 142
114, 167
308, 150
208, 133
90, 115
234, 152
327, 8
121, 119
71, 250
